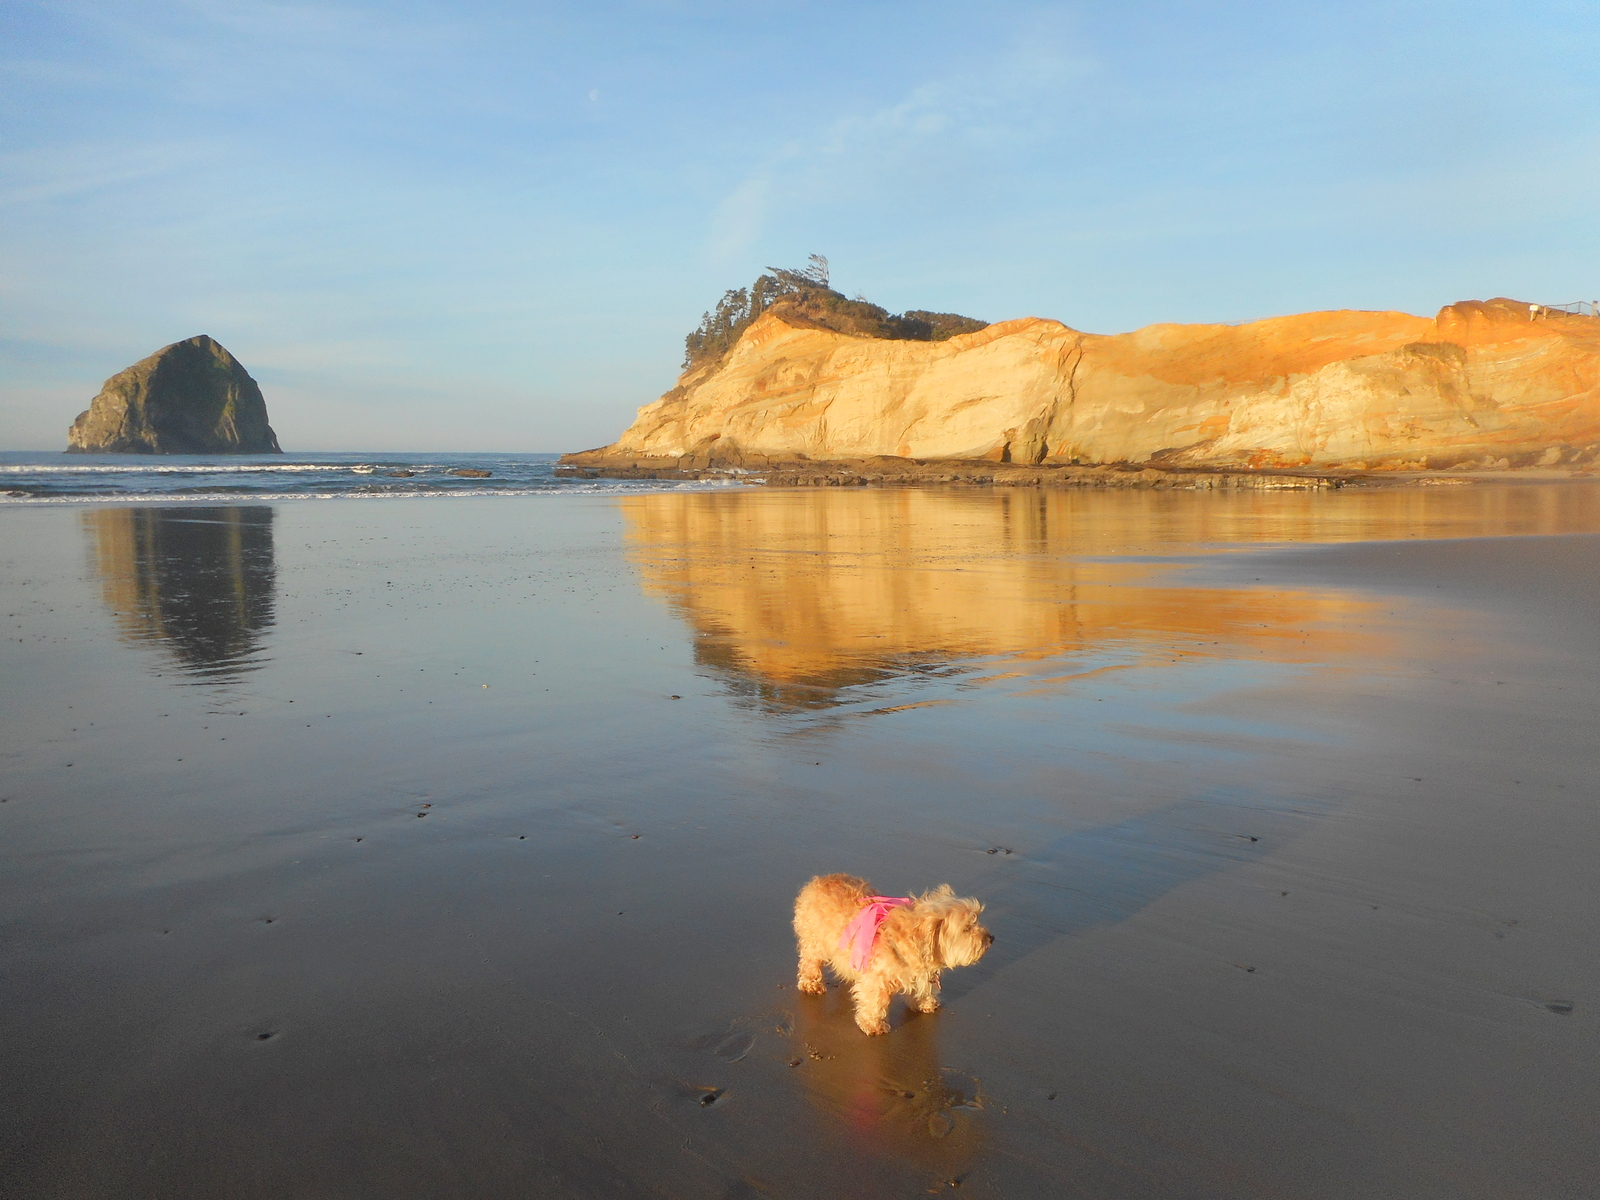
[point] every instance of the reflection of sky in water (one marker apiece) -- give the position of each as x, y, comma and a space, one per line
198, 582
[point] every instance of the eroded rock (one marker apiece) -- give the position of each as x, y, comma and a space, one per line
1479, 386
191, 397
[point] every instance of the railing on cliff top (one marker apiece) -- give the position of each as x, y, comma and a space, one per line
1577, 307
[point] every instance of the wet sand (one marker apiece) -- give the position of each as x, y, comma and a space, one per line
446, 849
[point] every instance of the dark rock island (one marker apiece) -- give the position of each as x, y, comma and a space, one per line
191, 397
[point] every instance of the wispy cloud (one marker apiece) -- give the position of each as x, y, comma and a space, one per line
998, 103
288, 22
57, 173
231, 51
741, 218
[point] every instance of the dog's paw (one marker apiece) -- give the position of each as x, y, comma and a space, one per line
815, 986
930, 1005
873, 1028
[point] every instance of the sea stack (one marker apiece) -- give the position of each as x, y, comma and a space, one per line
191, 397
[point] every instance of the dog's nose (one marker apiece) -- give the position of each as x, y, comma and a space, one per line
988, 939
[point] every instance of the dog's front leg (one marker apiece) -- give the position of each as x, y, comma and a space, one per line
811, 972
924, 994
872, 1004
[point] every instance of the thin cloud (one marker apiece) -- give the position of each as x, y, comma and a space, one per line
1005, 101
67, 172
741, 219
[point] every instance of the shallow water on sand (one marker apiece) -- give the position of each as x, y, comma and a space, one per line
422, 850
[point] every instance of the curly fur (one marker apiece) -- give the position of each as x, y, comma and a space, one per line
938, 931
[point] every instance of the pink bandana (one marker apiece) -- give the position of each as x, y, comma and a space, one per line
862, 931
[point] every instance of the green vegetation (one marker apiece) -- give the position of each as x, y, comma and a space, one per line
939, 325
807, 297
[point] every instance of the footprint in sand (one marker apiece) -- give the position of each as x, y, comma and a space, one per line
731, 1045
734, 1047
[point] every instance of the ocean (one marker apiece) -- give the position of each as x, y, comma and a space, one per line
32, 477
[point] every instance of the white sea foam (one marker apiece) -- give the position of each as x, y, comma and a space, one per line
36, 478
181, 468
587, 487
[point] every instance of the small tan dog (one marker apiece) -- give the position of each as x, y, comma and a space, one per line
917, 938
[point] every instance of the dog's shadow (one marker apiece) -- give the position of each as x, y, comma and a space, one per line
888, 1094
1099, 877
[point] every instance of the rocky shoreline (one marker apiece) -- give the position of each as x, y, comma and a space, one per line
885, 471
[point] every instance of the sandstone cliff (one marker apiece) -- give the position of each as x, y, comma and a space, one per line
191, 397
1479, 386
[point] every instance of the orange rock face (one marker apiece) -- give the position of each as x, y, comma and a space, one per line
1481, 385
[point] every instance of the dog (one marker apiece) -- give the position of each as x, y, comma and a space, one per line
915, 938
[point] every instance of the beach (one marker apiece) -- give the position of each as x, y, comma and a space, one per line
447, 847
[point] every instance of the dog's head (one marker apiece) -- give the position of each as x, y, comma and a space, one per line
959, 939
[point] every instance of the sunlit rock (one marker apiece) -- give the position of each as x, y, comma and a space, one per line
1484, 384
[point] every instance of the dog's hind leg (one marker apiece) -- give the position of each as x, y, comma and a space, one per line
872, 1004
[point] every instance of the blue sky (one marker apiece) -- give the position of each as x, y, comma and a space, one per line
480, 225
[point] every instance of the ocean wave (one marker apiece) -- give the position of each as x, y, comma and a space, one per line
184, 468
593, 487
29, 477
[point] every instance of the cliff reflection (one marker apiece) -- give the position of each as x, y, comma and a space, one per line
794, 597
197, 581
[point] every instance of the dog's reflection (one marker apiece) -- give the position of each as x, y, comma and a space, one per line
889, 1095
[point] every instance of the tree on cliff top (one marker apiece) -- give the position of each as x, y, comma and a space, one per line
807, 294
